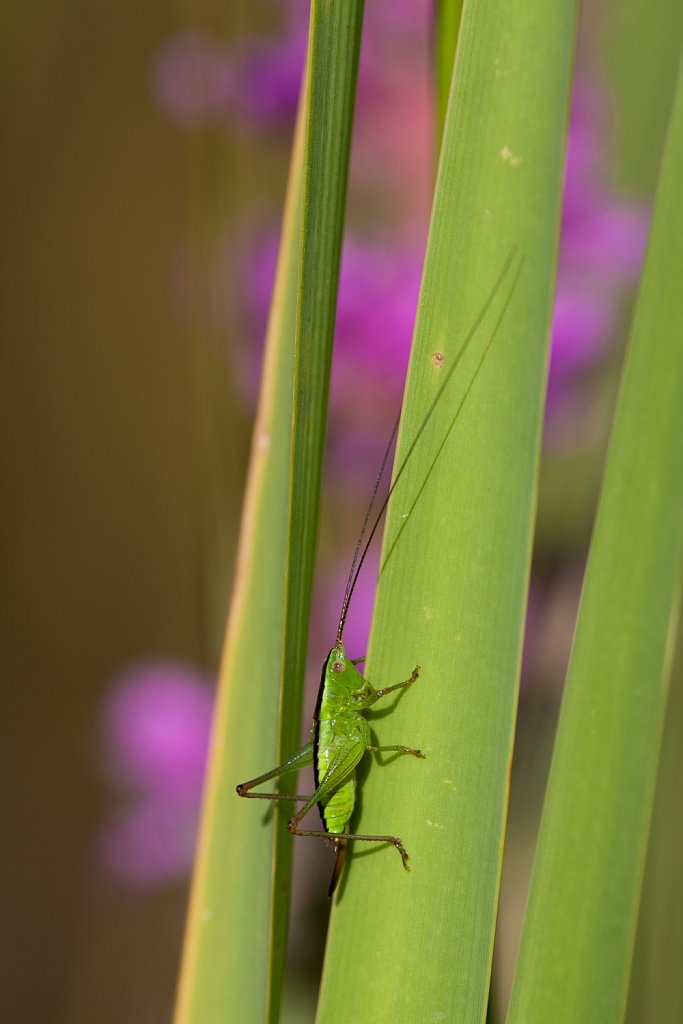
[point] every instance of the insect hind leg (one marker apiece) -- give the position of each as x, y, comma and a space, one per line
293, 827
242, 791
302, 758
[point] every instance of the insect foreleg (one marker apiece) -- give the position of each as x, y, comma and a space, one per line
400, 686
368, 696
302, 758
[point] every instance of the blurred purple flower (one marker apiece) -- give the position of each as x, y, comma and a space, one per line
199, 80
582, 321
271, 72
601, 250
378, 289
155, 722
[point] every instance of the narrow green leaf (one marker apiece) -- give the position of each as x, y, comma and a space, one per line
226, 959
334, 47
234, 960
579, 929
456, 555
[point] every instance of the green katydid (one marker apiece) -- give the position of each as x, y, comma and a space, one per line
340, 735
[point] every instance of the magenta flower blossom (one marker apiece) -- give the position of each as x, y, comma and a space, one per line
601, 250
200, 80
378, 289
155, 723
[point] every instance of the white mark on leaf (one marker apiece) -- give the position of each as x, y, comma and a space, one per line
510, 157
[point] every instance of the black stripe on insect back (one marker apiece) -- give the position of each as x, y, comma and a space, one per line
316, 730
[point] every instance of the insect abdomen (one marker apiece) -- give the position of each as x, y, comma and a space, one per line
338, 809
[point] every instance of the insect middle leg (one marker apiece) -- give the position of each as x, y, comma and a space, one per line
399, 748
301, 759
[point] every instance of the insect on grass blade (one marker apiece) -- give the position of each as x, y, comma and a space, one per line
340, 734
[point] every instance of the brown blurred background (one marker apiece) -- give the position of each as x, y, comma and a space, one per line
109, 526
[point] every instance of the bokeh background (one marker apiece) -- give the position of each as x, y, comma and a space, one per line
145, 153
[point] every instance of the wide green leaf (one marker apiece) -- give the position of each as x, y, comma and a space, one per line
579, 929
455, 560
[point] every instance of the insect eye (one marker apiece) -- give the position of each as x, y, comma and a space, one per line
338, 666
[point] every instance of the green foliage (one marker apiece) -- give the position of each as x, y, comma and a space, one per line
579, 931
453, 578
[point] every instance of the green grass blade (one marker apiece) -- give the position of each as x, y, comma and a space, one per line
233, 963
234, 960
226, 958
656, 987
579, 928
456, 554
333, 63
332, 71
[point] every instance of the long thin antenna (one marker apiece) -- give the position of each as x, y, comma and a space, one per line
353, 577
350, 583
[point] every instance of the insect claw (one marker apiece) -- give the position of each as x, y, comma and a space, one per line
404, 853
240, 790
